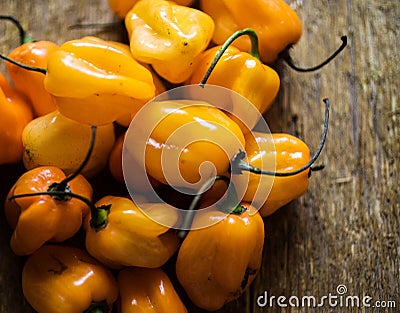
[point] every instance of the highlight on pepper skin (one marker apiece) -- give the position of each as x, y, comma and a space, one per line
189, 137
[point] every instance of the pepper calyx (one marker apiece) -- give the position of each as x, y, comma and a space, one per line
99, 217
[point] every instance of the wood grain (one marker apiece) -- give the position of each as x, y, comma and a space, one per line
346, 229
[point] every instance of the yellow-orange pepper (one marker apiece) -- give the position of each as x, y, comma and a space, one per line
30, 83
186, 134
291, 165
239, 71
168, 36
119, 234
122, 7
61, 279
56, 140
96, 82
217, 263
275, 22
147, 290
290, 153
15, 114
37, 219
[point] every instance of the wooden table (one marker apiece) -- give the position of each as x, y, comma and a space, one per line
346, 229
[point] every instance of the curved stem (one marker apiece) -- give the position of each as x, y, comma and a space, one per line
288, 59
24, 66
254, 50
63, 184
59, 195
24, 37
238, 165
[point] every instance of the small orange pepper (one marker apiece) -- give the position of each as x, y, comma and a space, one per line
30, 83
168, 36
15, 114
37, 219
147, 290
274, 21
61, 279
119, 234
221, 255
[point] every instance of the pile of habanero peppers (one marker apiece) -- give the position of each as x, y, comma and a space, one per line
64, 116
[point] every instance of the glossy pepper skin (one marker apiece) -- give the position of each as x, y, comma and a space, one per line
39, 219
290, 154
168, 36
122, 7
240, 72
201, 133
95, 82
217, 263
55, 140
61, 279
147, 290
30, 83
275, 22
129, 237
15, 114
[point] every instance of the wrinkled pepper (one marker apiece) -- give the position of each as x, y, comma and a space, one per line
30, 83
180, 136
15, 114
61, 279
45, 138
217, 263
239, 71
147, 290
168, 36
122, 7
119, 234
95, 82
275, 22
37, 219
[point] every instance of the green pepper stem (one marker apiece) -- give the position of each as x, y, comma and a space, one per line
231, 207
24, 37
24, 66
285, 55
238, 165
254, 51
99, 216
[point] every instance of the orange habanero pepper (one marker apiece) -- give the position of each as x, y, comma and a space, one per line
61, 279
39, 218
289, 179
221, 256
147, 290
119, 234
275, 22
238, 71
15, 114
29, 83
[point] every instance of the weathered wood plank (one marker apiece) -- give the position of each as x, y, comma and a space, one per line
345, 230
